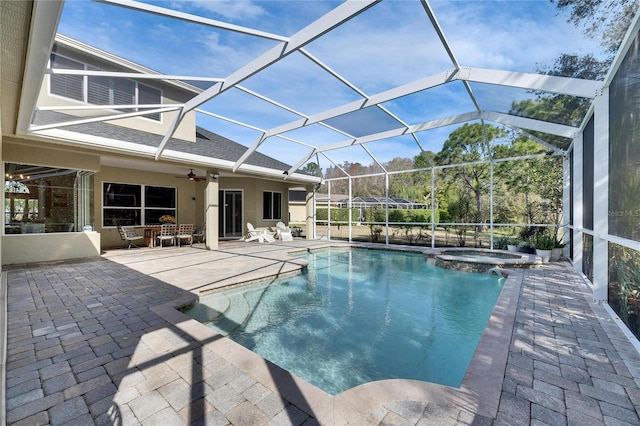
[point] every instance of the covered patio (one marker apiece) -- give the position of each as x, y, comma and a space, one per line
99, 342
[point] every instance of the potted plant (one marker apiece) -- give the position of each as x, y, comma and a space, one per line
544, 245
512, 244
558, 249
501, 242
167, 219
505, 242
528, 247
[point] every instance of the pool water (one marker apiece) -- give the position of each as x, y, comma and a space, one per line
356, 316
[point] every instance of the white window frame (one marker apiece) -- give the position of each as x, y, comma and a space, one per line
272, 215
85, 89
143, 205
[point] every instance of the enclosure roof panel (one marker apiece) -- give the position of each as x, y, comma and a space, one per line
306, 82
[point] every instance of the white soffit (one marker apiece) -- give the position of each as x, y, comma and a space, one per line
44, 24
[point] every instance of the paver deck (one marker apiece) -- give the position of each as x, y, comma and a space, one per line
100, 342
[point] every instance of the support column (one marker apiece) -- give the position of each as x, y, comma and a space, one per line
601, 197
311, 212
386, 208
577, 202
566, 200
211, 212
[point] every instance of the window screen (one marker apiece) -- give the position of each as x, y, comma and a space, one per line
69, 86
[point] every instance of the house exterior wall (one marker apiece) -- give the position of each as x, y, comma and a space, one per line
190, 197
297, 213
186, 192
36, 152
191, 203
170, 95
24, 248
253, 189
28, 248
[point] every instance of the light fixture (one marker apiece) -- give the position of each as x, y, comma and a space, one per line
215, 175
191, 175
286, 173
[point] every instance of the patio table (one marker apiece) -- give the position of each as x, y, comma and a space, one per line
150, 234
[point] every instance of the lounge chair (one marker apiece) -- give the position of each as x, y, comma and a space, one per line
128, 235
258, 234
185, 232
283, 232
167, 233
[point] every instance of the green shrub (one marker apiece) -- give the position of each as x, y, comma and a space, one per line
544, 242
337, 214
400, 215
396, 215
503, 241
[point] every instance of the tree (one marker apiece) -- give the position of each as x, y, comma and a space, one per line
424, 160
337, 186
469, 144
604, 20
544, 177
563, 109
312, 169
519, 176
413, 186
537, 181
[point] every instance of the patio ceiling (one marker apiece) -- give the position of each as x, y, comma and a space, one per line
362, 81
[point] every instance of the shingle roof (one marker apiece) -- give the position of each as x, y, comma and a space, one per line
208, 144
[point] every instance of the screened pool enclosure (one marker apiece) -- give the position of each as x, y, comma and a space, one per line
495, 121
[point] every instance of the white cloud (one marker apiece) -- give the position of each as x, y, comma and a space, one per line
233, 10
517, 38
390, 44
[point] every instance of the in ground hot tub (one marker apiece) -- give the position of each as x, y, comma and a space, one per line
480, 260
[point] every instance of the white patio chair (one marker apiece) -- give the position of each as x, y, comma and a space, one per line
283, 232
258, 234
185, 232
128, 235
167, 233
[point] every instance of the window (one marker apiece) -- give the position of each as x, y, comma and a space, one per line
159, 201
69, 86
129, 205
272, 205
110, 91
101, 90
42, 199
149, 96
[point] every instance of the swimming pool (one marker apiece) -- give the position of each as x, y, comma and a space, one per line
356, 316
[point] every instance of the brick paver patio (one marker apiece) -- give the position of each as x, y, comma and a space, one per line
98, 342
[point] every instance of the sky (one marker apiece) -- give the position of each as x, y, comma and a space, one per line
389, 44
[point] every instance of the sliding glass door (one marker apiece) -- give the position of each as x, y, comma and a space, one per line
230, 218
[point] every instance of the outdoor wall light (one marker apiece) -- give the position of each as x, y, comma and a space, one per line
215, 176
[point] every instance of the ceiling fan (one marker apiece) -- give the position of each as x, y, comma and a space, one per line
192, 176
